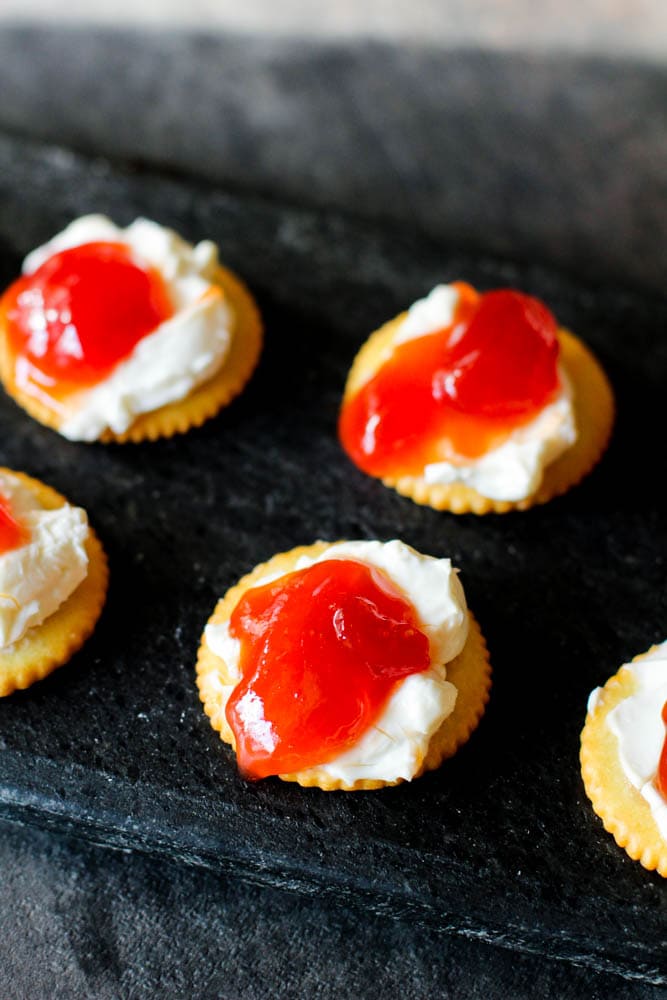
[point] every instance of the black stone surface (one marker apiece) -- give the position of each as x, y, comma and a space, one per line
550, 155
500, 844
81, 922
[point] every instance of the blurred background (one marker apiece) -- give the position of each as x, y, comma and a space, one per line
518, 128
598, 25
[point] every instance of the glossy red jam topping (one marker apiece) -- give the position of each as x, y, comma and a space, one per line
661, 776
322, 649
455, 394
84, 310
12, 534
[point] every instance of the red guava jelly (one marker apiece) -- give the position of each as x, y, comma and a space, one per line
81, 313
455, 394
322, 649
12, 534
661, 776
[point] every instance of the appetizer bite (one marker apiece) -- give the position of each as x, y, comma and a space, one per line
118, 334
624, 757
53, 580
476, 402
346, 665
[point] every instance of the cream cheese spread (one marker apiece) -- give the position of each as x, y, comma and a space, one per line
37, 577
396, 745
637, 724
514, 470
167, 364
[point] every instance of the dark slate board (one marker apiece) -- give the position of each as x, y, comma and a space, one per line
500, 844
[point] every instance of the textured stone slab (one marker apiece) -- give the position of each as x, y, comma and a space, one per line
500, 844
84, 922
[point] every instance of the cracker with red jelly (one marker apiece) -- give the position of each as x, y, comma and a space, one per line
43, 647
126, 334
476, 403
330, 674
624, 757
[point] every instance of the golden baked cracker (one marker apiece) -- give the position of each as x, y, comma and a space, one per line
593, 402
624, 812
201, 404
49, 645
470, 672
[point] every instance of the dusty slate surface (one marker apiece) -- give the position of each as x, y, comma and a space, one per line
90, 923
543, 154
500, 844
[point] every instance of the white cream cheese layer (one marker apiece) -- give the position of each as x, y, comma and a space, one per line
514, 470
168, 363
637, 724
396, 745
36, 578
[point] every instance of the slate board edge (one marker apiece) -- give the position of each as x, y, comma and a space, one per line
83, 812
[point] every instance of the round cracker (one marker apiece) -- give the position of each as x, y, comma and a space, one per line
49, 645
470, 672
624, 812
593, 403
201, 404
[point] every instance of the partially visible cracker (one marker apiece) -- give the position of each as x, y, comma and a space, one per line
593, 402
49, 645
470, 672
201, 404
624, 812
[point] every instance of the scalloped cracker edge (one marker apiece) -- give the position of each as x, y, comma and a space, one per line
624, 812
594, 414
200, 405
50, 645
470, 672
